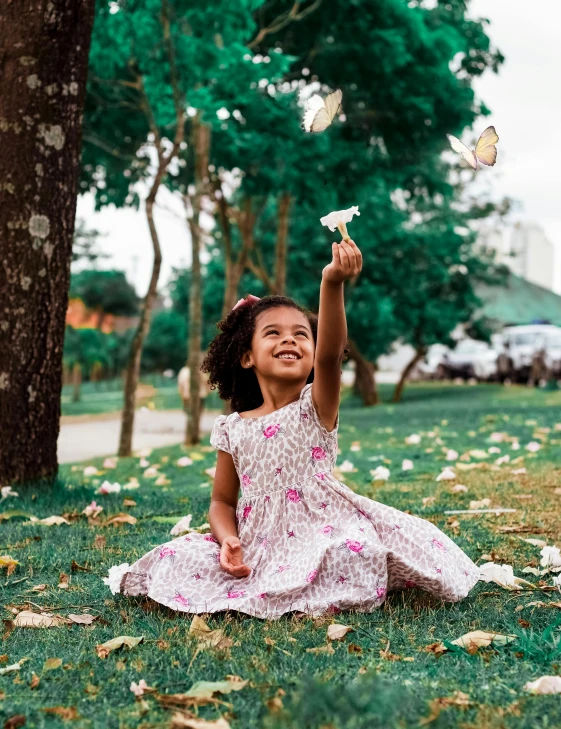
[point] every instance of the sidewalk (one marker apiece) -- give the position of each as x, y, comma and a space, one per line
85, 437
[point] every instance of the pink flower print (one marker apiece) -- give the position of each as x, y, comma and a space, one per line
267, 499
323, 505
318, 454
311, 576
380, 592
327, 529
283, 567
290, 533
408, 584
215, 557
181, 600
354, 545
438, 570
342, 579
197, 577
234, 594
438, 544
166, 552
466, 573
246, 480
333, 610
187, 539
396, 528
320, 475
262, 595
271, 430
278, 470
246, 512
263, 541
210, 538
293, 495
304, 416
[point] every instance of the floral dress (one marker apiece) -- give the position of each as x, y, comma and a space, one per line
313, 545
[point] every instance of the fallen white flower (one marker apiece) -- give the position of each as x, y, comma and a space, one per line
497, 437
151, 472
515, 446
407, 465
113, 580
533, 446
557, 581
92, 510
459, 488
139, 688
183, 525
110, 463
7, 491
184, 461
479, 504
338, 219
544, 685
446, 475
381, 473
346, 467
502, 459
144, 463
518, 471
211, 471
90, 471
109, 488
355, 446
494, 449
551, 557
501, 574
452, 455
413, 439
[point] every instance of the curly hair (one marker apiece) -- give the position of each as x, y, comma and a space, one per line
222, 362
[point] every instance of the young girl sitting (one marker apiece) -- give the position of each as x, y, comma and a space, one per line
286, 534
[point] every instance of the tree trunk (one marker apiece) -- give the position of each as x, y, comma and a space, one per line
281, 252
201, 146
76, 382
365, 378
43, 70
419, 354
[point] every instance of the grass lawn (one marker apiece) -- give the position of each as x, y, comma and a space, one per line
381, 674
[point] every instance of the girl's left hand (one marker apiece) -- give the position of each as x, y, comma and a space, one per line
346, 263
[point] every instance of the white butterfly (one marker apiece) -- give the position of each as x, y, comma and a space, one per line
321, 112
484, 152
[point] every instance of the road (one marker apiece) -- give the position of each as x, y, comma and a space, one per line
87, 437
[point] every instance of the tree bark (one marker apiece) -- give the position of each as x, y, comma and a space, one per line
201, 146
418, 356
43, 70
281, 251
365, 378
76, 382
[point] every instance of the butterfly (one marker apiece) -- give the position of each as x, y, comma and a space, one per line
321, 112
484, 152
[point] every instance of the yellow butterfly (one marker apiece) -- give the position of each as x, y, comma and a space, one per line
484, 152
321, 112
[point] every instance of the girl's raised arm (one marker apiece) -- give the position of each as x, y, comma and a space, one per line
332, 330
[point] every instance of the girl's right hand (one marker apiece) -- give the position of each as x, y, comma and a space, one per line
231, 558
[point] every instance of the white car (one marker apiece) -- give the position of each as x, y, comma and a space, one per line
552, 347
519, 344
471, 358
432, 366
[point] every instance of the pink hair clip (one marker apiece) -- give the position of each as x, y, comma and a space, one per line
249, 299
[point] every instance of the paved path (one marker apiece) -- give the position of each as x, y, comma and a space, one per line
81, 440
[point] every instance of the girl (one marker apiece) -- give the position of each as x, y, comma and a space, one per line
286, 535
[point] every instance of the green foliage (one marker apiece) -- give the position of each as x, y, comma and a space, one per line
91, 347
105, 291
84, 247
166, 343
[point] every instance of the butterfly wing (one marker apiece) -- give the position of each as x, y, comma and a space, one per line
485, 150
461, 148
326, 114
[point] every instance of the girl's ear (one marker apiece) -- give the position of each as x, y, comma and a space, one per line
246, 360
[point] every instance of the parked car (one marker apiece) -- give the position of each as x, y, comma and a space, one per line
517, 347
552, 348
431, 367
471, 358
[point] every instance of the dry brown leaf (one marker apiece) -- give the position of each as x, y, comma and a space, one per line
29, 619
534, 542
104, 649
75, 567
520, 529
322, 649
180, 721
99, 542
83, 618
481, 639
337, 631
14, 722
68, 713
120, 519
52, 663
209, 638
436, 705
35, 681
129, 502
437, 648
8, 562
387, 655
354, 648
38, 588
63, 581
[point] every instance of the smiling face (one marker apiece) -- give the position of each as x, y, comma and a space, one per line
282, 346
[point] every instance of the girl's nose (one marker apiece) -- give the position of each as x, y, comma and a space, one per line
289, 338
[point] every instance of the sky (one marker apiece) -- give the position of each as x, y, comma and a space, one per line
525, 103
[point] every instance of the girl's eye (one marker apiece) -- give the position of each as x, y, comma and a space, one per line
302, 332
271, 331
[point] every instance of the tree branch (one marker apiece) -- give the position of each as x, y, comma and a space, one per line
283, 20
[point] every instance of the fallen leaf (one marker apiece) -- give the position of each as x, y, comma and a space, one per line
53, 521
437, 648
14, 722
208, 638
104, 649
29, 619
180, 721
8, 562
479, 504
120, 519
83, 619
202, 692
387, 655
35, 681
481, 639
99, 542
459, 488
523, 496
337, 632
437, 705
63, 581
140, 688
129, 502
68, 713
545, 685
52, 663
534, 542
322, 649
354, 648
14, 667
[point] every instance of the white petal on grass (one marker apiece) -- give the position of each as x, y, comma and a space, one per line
452, 455
501, 574
446, 475
183, 525
407, 465
533, 446
459, 488
113, 580
544, 685
413, 439
346, 467
380, 474
550, 557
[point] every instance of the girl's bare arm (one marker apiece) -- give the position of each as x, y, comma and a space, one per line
224, 499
